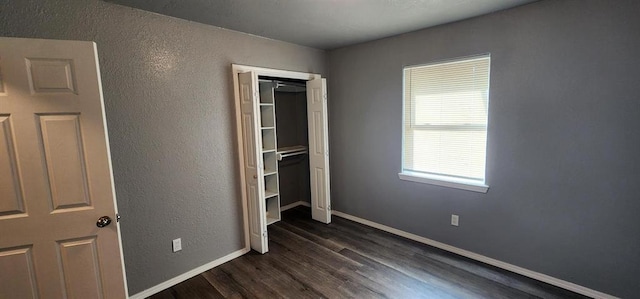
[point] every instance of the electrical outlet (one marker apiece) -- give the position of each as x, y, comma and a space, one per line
454, 219
177, 244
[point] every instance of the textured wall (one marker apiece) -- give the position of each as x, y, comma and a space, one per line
563, 140
170, 112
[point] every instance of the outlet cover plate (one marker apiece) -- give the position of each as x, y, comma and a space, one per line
177, 244
454, 219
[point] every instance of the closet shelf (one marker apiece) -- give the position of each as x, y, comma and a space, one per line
268, 193
271, 220
284, 152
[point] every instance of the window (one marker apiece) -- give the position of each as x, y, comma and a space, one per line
445, 123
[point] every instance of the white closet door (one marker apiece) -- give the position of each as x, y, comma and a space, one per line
319, 149
248, 83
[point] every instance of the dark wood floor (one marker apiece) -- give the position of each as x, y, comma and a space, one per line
344, 259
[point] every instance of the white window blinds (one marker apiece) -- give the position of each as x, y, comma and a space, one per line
445, 118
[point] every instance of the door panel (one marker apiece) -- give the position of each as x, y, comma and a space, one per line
51, 75
318, 134
80, 268
319, 150
20, 282
55, 174
319, 188
64, 160
248, 83
2, 93
11, 197
249, 141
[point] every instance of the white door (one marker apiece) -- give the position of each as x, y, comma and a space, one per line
55, 174
319, 149
248, 83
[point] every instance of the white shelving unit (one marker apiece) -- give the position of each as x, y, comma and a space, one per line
269, 152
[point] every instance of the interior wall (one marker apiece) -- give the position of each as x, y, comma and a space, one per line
291, 118
171, 119
563, 140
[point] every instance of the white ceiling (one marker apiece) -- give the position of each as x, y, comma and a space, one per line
323, 24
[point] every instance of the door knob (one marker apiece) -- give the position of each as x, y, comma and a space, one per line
103, 221
255, 176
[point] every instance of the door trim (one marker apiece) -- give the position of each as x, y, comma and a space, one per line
260, 71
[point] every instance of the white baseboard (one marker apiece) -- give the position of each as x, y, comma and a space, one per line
180, 278
478, 257
293, 205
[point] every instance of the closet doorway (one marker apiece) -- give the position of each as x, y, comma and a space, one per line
272, 106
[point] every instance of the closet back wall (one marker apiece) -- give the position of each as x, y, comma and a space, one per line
170, 112
563, 140
292, 130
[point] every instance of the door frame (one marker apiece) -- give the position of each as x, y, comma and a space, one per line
260, 71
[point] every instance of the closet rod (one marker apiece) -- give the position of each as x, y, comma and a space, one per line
291, 151
281, 156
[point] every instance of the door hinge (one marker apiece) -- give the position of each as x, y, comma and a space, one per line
118, 217
329, 207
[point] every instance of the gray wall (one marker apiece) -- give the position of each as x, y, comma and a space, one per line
563, 140
168, 96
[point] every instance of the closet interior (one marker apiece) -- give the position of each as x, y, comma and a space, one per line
285, 144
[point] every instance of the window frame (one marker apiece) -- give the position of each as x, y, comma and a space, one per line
434, 178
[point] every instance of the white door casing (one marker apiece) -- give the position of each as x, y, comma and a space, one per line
248, 84
55, 174
318, 149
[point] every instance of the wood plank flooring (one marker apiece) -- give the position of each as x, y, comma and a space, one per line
344, 259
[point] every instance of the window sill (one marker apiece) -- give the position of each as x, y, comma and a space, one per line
444, 181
